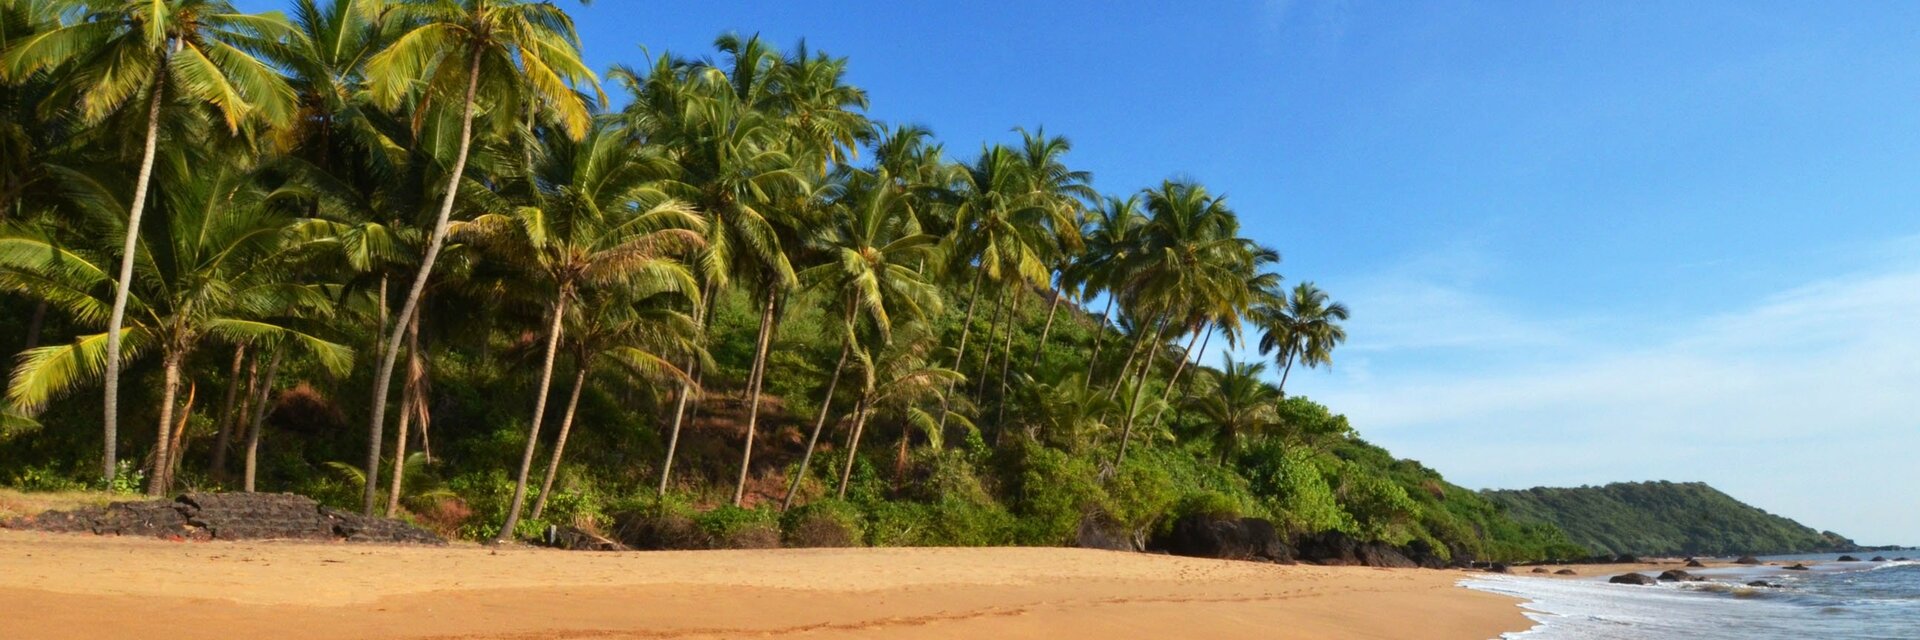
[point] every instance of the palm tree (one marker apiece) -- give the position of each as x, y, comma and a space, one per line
1302, 326
452, 49
598, 220
1059, 193
1241, 404
199, 53
870, 267
217, 268
1110, 244
896, 381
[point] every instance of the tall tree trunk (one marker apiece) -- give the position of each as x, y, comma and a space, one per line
157, 483
819, 421
115, 318
756, 380
539, 415
1284, 371
1139, 387
223, 438
681, 411
1006, 363
260, 406
409, 406
34, 324
560, 444
853, 444
1167, 395
383, 376
1099, 338
179, 445
966, 326
1046, 330
993, 329
1120, 379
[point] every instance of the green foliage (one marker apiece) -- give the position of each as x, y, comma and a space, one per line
1653, 518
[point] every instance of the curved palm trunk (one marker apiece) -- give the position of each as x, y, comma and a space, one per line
110, 424
1167, 395
993, 329
755, 380
1120, 381
853, 446
1006, 364
1100, 338
34, 324
819, 422
1284, 371
1046, 330
681, 412
383, 377
1139, 388
224, 437
966, 326
260, 418
178, 447
410, 402
539, 415
560, 444
157, 483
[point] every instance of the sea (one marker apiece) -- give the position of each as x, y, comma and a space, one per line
1834, 601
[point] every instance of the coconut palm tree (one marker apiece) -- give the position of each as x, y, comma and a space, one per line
1302, 326
451, 51
1061, 193
872, 253
190, 53
896, 381
1241, 404
215, 268
598, 220
1113, 238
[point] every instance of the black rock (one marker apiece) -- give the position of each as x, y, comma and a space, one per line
1632, 578
1101, 532
1566, 572
1692, 563
1328, 548
229, 516
1498, 567
1227, 538
1763, 583
1747, 560
1540, 570
1879, 559
1848, 559
1676, 575
1799, 567
1900, 559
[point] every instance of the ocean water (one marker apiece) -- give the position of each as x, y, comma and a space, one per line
1835, 601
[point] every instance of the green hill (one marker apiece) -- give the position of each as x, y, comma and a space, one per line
1659, 518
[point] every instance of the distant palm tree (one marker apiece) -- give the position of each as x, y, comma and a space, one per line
1302, 327
1241, 404
198, 53
453, 49
217, 267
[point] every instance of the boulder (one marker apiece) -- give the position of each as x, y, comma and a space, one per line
1632, 578
1265, 540
1328, 548
1847, 559
1227, 538
1100, 532
1566, 572
1381, 554
1676, 575
1423, 554
1879, 559
1747, 560
577, 539
1695, 564
1498, 567
1799, 567
1900, 559
1763, 583
1540, 570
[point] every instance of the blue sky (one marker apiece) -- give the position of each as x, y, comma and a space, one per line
1583, 242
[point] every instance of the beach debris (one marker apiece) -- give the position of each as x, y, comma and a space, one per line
227, 516
1633, 578
1747, 560
573, 538
1799, 567
1566, 572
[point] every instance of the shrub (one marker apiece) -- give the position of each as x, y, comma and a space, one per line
1053, 492
731, 527
827, 523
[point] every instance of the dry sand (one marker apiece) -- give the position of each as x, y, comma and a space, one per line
62, 586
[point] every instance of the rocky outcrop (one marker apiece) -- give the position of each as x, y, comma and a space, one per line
228, 516
1566, 572
1499, 567
1694, 564
1747, 560
1334, 548
1763, 583
1540, 570
1879, 559
1799, 567
1227, 538
1848, 559
1632, 578
1676, 575
1100, 532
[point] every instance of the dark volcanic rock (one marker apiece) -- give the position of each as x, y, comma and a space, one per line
1632, 578
1879, 559
1499, 567
1676, 575
1799, 567
1848, 559
1566, 572
1334, 548
1692, 563
1100, 532
256, 516
1227, 538
1763, 583
577, 539
1747, 560
229, 516
1540, 570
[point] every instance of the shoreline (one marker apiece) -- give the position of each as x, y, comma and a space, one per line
80, 586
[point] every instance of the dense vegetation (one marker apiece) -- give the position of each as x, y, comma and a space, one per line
733, 298
1664, 518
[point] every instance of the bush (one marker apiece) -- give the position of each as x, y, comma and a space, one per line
1053, 492
827, 523
731, 527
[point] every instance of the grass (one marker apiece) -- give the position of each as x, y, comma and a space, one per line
16, 503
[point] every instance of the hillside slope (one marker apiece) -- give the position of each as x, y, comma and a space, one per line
1658, 518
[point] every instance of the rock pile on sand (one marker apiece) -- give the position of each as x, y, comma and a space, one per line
227, 516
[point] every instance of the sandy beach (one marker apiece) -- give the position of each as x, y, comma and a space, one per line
65, 586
